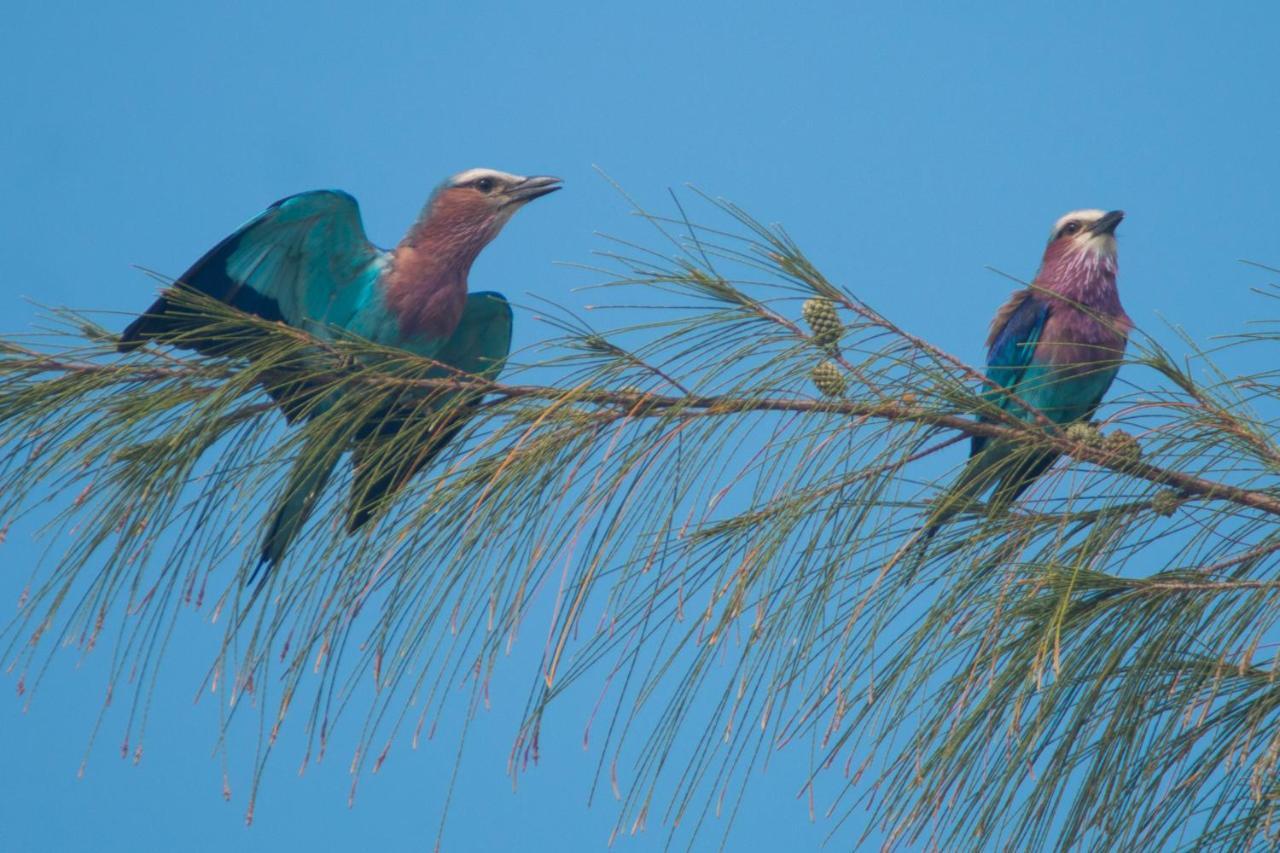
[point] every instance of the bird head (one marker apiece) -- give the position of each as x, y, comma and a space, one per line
1081, 251
427, 280
475, 204
1092, 231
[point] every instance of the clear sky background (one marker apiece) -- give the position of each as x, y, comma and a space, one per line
905, 149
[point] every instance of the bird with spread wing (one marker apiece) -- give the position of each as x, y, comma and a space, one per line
305, 261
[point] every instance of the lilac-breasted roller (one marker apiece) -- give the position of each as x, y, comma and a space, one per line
306, 261
1055, 346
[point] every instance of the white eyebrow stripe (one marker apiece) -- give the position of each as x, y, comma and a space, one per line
475, 174
1086, 215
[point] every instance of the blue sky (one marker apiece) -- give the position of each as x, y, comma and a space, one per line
905, 149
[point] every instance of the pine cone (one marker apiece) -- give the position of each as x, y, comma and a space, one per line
1123, 445
1166, 502
1085, 433
823, 321
829, 380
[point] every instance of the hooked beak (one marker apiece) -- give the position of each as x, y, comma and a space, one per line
1107, 224
531, 188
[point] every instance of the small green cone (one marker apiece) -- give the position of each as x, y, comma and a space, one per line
829, 380
1085, 433
1123, 445
1166, 502
823, 321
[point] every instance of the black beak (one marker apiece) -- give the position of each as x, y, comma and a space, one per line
531, 188
1107, 224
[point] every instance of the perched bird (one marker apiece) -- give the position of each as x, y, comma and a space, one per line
305, 261
1055, 346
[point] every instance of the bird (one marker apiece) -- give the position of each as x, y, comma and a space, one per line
306, 262
1054, 346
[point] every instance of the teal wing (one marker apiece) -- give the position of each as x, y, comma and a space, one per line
1011, 347
1011, 351
1066, 396
482, 341
304, 261
414, 427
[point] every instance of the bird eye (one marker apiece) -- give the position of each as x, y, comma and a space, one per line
1071, 227
485, 185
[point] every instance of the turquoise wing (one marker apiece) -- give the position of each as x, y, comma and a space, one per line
1011, 349
1065, 395
414, 427
482, 341
304, 261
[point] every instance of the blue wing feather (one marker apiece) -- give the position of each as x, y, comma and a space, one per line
305, 260
482, 340
1010, 350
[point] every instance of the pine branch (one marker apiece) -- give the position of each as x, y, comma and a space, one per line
706, 510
